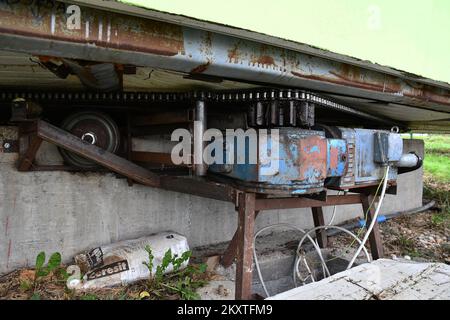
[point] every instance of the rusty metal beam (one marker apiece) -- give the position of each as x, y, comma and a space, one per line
26, 160
198, 186
119, 38
293, 203
230, 254
319, 221
244, 265
152, 157
237, 32
376, 244
69, 142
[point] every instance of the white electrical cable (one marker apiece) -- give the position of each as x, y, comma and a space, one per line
326, 272
374, 220
255, 257
296, 275
307, 269
297, 262
334, 212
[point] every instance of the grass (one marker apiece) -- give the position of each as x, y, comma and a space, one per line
437, 157
436, 143
437, 175
438, 167
407, 246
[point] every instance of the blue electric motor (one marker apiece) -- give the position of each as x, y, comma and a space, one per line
299, 161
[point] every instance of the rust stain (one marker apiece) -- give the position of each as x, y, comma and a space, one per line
9, 253
98, 27
264, 60
427, 94
263, 57
341, 82
334, 158
201, 68
206, 45
6, 226
313, 158
389, 86
351, 76
233, 54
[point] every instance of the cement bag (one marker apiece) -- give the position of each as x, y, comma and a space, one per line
121, 263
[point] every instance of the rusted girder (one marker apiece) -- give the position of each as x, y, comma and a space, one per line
69, 142
44, 28
290, 203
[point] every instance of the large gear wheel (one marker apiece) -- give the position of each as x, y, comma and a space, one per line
96, 128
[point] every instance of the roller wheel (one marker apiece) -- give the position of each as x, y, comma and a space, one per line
96, 128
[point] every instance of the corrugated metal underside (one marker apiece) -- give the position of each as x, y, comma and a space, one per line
23, 72
169, 55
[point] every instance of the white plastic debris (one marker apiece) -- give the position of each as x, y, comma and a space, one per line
121, 263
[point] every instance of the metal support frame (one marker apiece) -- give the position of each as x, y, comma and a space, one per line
376, 244
29, 144
319, 221
249, 205
246, 225
41, 130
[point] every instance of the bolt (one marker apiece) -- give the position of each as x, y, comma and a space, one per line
89, 137
6, 145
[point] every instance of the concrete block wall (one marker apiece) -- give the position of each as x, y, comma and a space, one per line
72, 212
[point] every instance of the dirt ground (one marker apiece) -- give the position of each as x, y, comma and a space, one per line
18, 285
417, 237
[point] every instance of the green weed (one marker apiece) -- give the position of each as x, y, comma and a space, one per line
181, 282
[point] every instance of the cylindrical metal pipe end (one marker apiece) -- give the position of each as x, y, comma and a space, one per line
408, 160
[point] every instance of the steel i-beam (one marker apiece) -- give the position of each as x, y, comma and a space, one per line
45, 28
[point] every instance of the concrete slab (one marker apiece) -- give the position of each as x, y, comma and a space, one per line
217, 290
381, 280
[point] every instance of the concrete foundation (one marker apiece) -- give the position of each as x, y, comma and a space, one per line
71, 212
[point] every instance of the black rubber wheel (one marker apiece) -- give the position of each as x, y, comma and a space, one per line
96, 128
